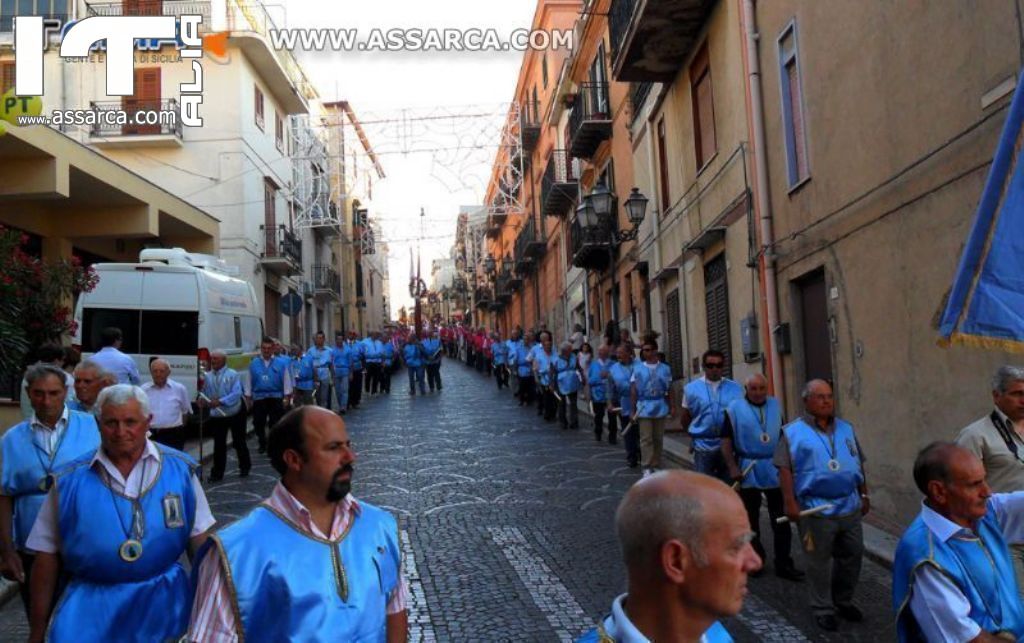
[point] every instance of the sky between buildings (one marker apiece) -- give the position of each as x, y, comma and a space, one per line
380, 85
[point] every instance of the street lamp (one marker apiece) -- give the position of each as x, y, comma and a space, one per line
507, 264
636, 207
597, 211
489, 265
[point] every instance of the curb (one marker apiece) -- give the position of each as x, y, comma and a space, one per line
9, 589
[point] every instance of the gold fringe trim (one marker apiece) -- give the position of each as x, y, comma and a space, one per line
987, 343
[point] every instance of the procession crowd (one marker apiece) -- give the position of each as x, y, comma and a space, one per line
99, 504
959, 568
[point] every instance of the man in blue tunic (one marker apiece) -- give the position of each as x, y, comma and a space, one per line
821, 469
567, 381
373, 357
704, 403
543, 356
686, 546
322, 362
304, 376
651, 395
388, 364
500, 352
311, 563
620, 395
222, 395
749, 435
523, 349
953, 579
598, 376
357, 354
412, 356
341, 358
432, 350
51, 438
270, 381
116, 523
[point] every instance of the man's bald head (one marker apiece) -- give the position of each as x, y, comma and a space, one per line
670, 505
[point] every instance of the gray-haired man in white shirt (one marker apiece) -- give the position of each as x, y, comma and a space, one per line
169, 403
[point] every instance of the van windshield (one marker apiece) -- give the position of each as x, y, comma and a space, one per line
147, 332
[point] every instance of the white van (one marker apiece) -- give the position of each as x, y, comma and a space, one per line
176, 305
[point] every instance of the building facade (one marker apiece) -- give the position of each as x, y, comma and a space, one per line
261, 169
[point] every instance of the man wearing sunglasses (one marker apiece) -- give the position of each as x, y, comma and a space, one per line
704, 403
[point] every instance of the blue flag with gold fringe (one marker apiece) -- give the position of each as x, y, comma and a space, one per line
986, 304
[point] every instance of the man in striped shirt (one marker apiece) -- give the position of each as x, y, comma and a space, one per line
310, 538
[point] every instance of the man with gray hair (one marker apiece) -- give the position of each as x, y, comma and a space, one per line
997, 439
824, 490
89, 379
116, 522
686, 546
33, 450
750, 432
169, 403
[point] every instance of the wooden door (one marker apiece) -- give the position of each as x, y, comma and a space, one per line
145, 99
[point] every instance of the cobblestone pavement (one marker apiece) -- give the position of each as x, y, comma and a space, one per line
506, 522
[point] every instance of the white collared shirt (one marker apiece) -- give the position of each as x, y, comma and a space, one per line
45, 535
168, 403
621, 629
939, 606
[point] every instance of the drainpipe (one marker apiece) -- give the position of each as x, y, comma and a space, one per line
762, 204
656, 224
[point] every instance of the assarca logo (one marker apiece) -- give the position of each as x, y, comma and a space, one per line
120, 34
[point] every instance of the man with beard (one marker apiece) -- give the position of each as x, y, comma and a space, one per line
310, 563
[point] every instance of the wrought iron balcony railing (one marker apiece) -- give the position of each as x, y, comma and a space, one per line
281, 243
143, 117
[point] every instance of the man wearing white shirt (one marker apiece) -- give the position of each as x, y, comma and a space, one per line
168, 401
685, 541
997, 439
268, 385
115, 523
953, 577
112, 359
53, 437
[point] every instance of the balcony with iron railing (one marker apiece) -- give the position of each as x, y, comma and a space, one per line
590, 120
529, 248
530, 124
559, 186
253, 18
651, 40
483, 297
176, 8
154, 122
502, 290
282, 250
326, 282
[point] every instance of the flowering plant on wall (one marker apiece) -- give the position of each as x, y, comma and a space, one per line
35, 299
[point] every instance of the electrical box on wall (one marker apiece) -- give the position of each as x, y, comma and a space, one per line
749, 338
782, 339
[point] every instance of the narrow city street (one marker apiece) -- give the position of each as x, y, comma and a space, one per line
506, 522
